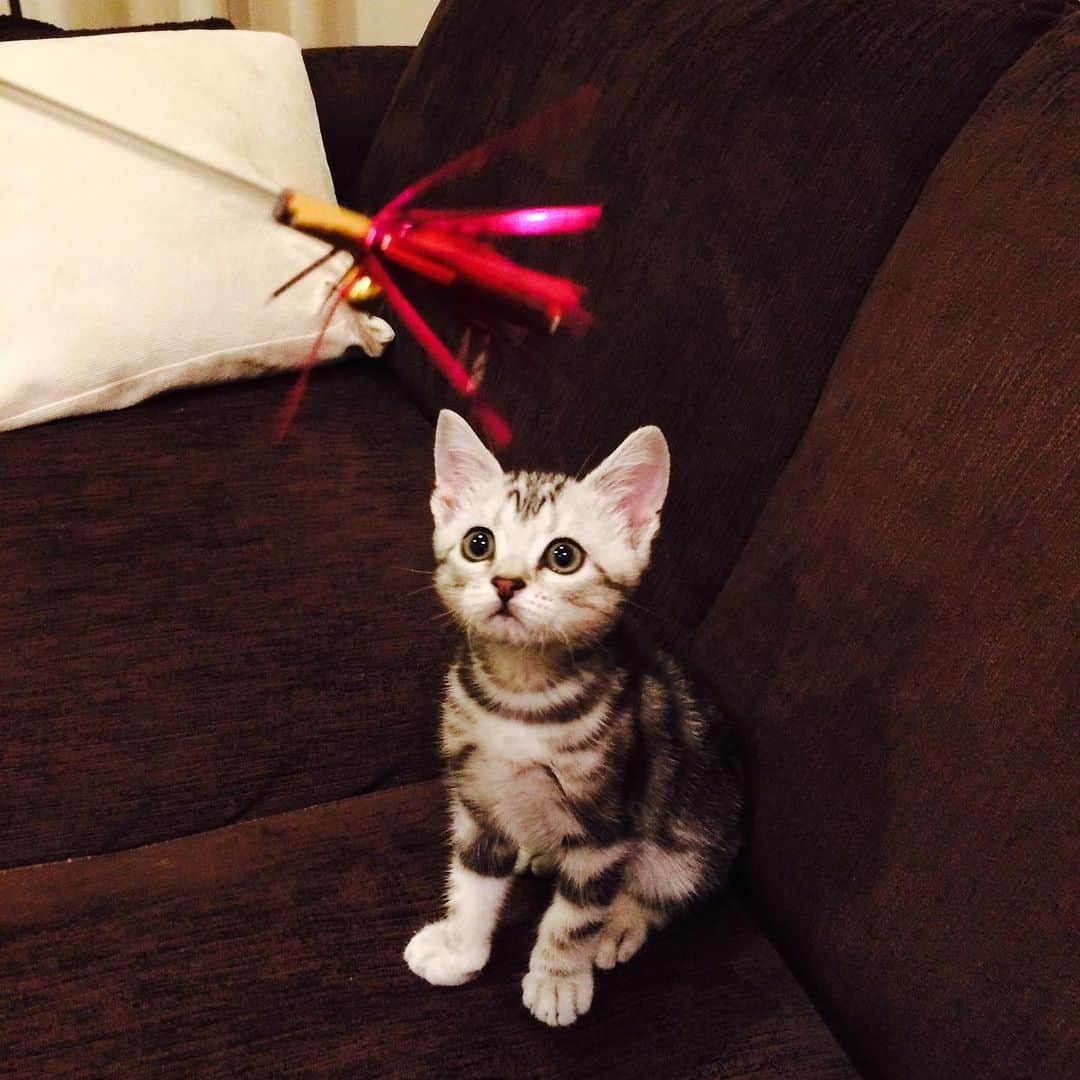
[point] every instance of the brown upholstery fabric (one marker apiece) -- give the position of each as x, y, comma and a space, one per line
900, 634
200, 625
756, 160
352, 87
274, 947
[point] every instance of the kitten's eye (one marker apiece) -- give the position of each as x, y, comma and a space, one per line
564, 556
478, 545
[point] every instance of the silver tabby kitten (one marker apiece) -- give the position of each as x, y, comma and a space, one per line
569, 748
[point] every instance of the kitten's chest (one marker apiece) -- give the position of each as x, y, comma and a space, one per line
511, 777
524, 801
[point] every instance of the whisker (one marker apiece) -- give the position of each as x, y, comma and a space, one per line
574, 601
642, 607
440, 615
588, 458
423, 588
414, 570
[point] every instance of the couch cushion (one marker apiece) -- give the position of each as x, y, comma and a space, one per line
200, 624
756, 160
900, 633
274, 947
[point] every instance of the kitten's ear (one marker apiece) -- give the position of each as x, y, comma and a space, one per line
633, 480
462, 464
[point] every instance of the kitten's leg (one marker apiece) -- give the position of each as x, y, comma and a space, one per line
454, 949
658, 884
559, 986
627, 928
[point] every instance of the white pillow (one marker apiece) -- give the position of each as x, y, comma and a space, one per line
121, 276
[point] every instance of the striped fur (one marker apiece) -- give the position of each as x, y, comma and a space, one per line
568, 742
530, 492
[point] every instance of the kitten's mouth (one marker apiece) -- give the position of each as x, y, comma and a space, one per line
503, 624
505, 615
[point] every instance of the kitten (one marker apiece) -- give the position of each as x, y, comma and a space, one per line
569, 746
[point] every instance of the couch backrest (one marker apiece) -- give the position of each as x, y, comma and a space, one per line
352, 87
756, 160
900, 634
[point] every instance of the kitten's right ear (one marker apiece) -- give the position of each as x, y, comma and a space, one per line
463, 464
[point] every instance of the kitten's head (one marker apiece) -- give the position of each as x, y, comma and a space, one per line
536, 559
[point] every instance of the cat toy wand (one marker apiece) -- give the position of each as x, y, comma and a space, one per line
443, 247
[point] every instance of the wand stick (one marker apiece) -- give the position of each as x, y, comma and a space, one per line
441, 246
132, 140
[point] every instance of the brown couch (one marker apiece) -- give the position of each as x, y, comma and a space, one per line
839, 267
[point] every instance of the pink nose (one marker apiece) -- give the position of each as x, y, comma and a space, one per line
507, 586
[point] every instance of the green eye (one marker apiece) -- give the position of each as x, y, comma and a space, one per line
564, 556
478, 545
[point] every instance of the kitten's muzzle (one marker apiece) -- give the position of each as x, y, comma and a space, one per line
506, 587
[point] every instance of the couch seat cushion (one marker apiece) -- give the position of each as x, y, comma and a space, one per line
274, 946
200, 624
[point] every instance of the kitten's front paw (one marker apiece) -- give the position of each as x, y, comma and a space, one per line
440, 956
623, 935
620, 941
557, 1000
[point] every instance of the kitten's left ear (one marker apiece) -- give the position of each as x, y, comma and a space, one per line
633, 480
463, 464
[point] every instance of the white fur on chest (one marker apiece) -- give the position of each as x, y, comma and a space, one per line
511, 777
511, 741
524, 802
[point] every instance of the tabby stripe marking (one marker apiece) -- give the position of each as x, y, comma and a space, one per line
585, 930
556, 714
459, 758
597, 891
602, 730
487, 855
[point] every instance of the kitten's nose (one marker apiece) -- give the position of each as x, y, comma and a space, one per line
507, 586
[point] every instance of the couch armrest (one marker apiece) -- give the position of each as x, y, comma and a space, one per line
353, 86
